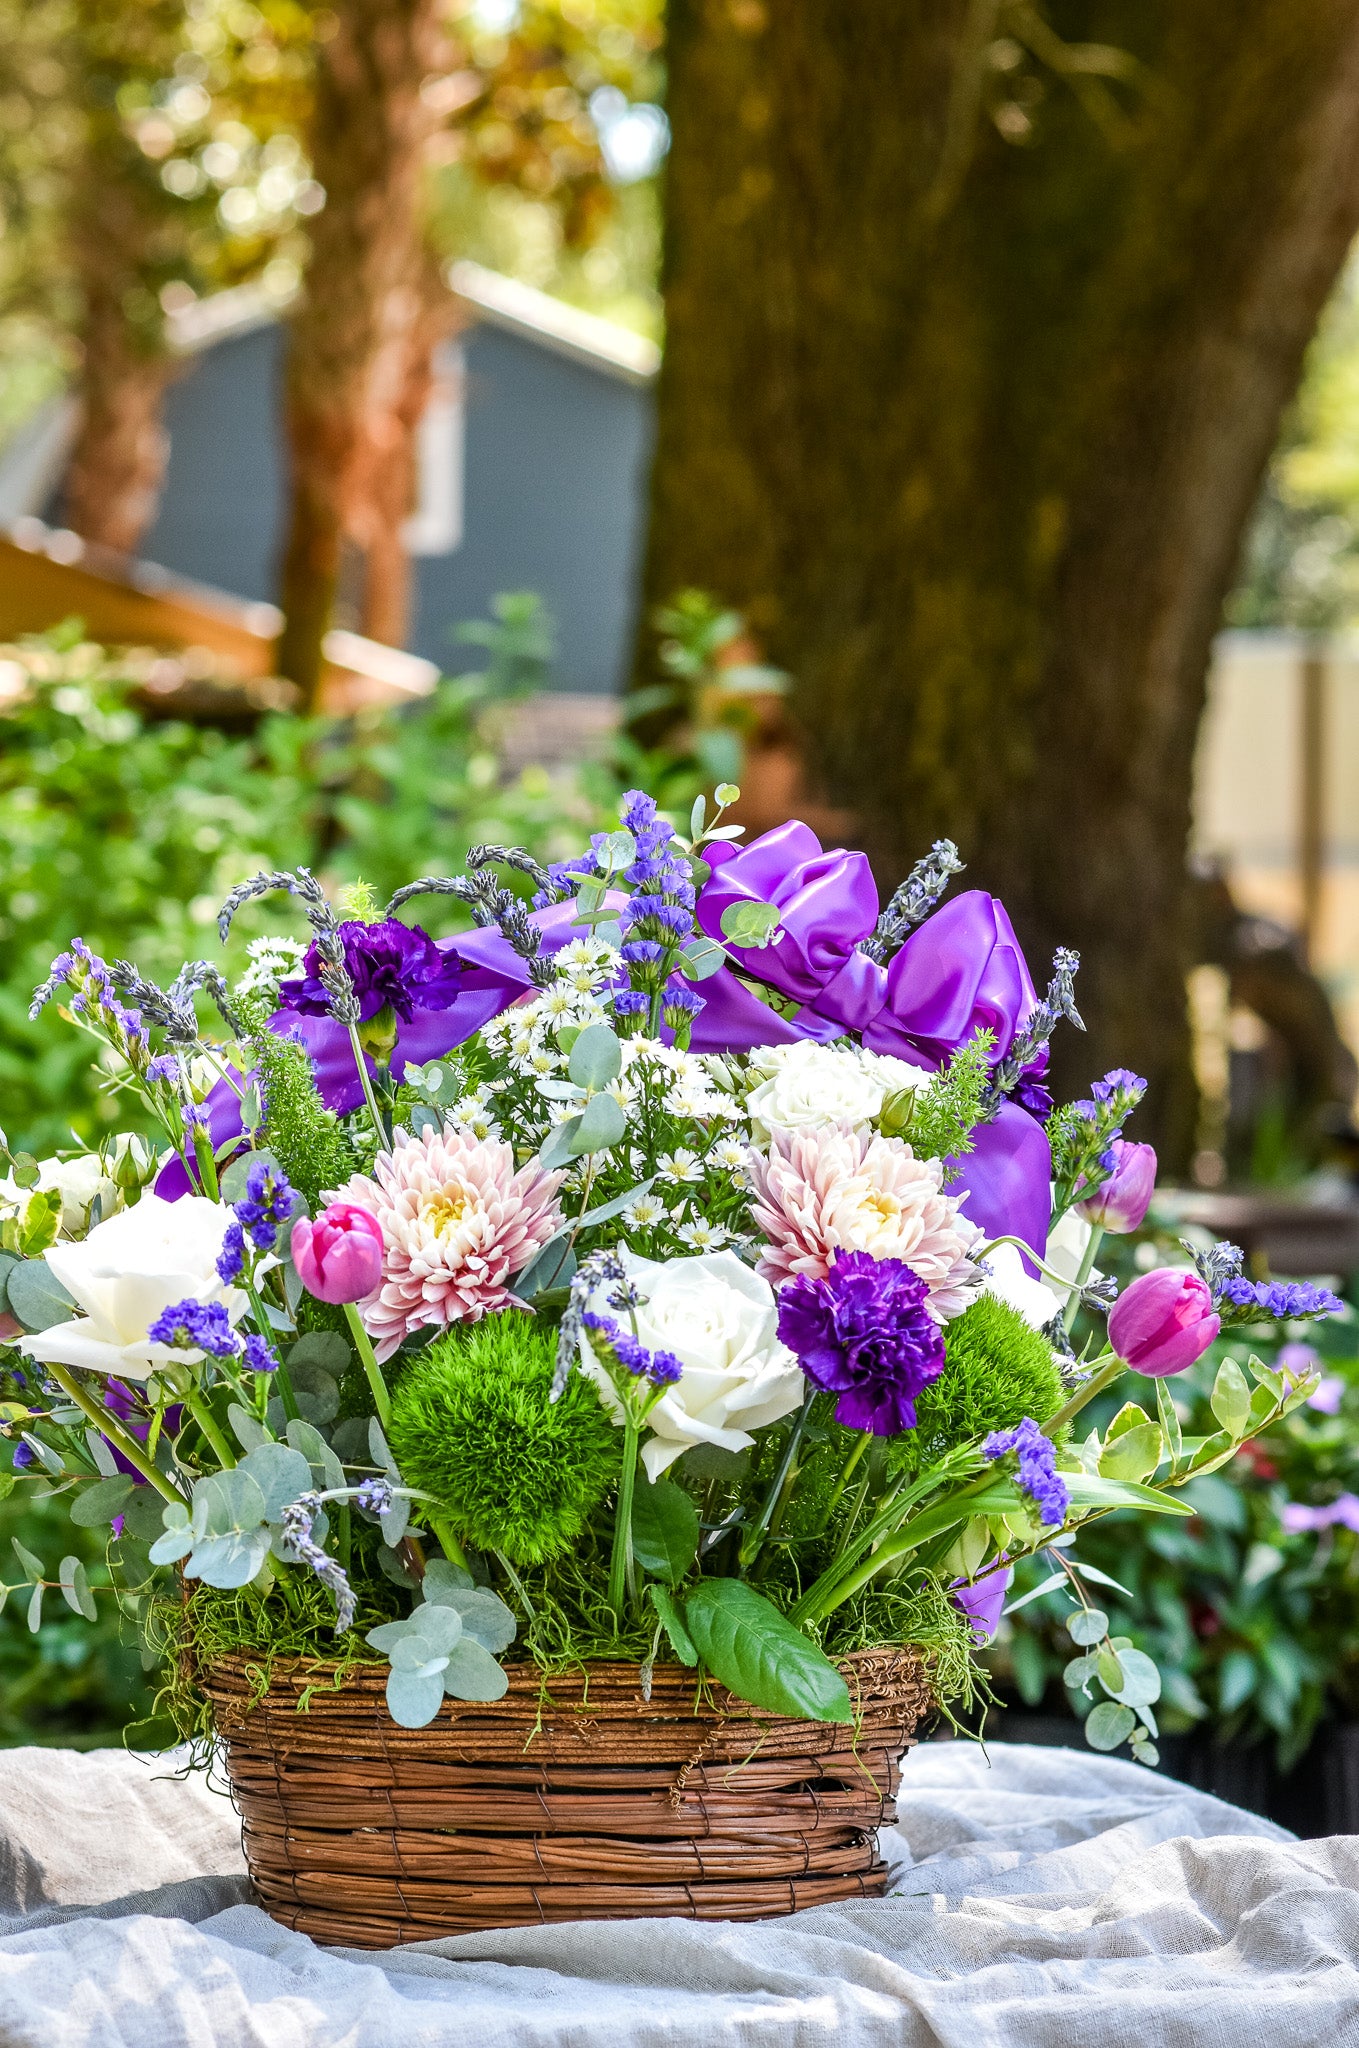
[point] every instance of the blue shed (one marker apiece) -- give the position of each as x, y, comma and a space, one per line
533, 465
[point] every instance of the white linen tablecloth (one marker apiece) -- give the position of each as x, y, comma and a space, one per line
1046, 1898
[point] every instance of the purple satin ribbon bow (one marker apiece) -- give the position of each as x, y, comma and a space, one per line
961, 971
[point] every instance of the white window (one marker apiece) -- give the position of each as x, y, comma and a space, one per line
436, 525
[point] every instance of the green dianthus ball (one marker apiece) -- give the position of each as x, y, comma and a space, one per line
472, 1425
996, 1371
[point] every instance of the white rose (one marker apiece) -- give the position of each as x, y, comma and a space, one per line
79, 1181
1038, 1301
807, 1083
721, 1322
125, 1272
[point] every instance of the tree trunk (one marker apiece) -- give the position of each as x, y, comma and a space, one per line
117, 462
971, 430
365, 312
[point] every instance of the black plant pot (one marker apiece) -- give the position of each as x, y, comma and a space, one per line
1319, 1796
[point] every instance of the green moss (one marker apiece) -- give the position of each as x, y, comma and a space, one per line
304, 1136
997, 1370
472, 1425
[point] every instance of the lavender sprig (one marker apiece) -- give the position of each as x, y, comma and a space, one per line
331, 970
913, 901
490, 904
297, 1519
599, 1266
1031, 1041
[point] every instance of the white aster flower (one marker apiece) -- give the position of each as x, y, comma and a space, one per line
679, 1166
728, 1154
646, 1212
703, 1236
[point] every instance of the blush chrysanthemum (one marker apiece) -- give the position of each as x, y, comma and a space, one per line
830, 1188
457, 1222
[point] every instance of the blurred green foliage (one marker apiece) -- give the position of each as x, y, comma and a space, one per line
130, 832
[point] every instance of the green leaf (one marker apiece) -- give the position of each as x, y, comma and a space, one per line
248, 1431
664, 1529
94, 1507
32, 1566
596, 1057
484, 1615
1099, 1578
1079, 1672
1145, 1752
750, 925
1134, 1454
42, 1222
1213, 1451
1108, 1668
75, 1588
1170, 1421
758, 1655
672, 1621
1107, 1725
1087, 1625
600, 1125
35, 1610
554, 1266
326, 1348
8, 1260
413, 1700
1091, 1490
36, 1297
1235, 1680
1230, 1398
282, 1475
1047, 1585
1129, 1416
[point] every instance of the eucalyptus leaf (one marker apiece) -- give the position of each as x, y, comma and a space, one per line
392, 1567
32, 1566
701, 958
553, 1266
142, 1514
602, 1123
473, 1673
228, 1561
247, 1429
94, 1507
36, 1297
1099, 1578
664, 1529
317, 1391
175, 1542
395, 1521
596, 1057
1047, 1585
233, 1179
412, 1700
49, 1459
442, 1578
326, 1348
75, 1588
557, 1149
1087, 1625
8, 1260
281, 1474
227, 1502
1079, 1672
1107, 1725
1140, 1682
98, 1447
760, 1656
326, 1468
35, 1610
750, 925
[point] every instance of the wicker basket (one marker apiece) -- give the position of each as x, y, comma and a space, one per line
572, 1798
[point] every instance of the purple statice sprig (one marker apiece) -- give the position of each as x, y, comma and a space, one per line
268, 1203
865, 1334
1037, 1475
258, 1354
1239, 1300
196, 1326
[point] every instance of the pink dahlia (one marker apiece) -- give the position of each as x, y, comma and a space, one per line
829, 1188
457, 1221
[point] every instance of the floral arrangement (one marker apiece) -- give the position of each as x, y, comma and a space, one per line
687, 1265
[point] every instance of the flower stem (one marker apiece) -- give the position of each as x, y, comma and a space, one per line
361, 1061
1083, 1272
754, 1539
516, 1583
452, 1549
622, 1528
206, 1421
108, 1426
207, 1165
862, 1442
382, 1400
1106, 1369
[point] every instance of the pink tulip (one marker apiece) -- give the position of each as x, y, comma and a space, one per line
1163, 1322
1120, 1202
339, 1256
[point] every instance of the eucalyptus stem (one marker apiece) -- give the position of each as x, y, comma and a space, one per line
206, 1421
109, 1426
1106, 1369
622, 1528
361, 1061
363, 1345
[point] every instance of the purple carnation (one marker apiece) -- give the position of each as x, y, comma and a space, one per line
866, 1334
1037, 1456
392, 966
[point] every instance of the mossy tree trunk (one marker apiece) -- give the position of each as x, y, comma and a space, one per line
356, 344
978, 337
